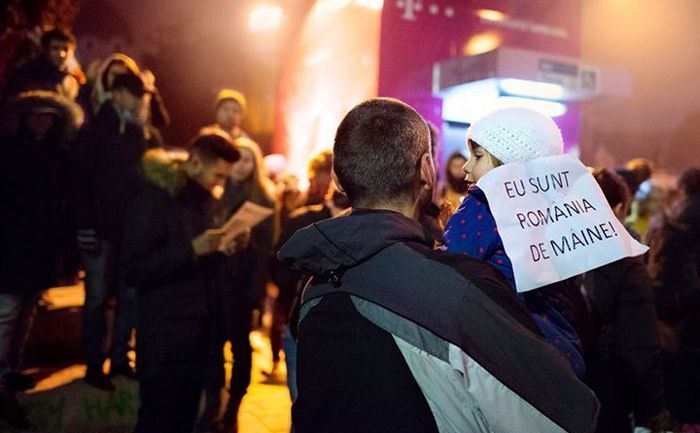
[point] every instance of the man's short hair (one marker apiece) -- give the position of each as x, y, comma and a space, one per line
56, 35
212, 146
377, 151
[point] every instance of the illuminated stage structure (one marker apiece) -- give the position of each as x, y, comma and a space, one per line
451, 59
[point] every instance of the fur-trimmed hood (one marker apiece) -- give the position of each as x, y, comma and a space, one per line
164, 169
71, 114
99, 93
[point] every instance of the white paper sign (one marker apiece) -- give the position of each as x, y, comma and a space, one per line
554, 220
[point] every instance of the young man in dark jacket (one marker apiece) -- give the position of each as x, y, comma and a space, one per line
107, 177
395, 337
170, 256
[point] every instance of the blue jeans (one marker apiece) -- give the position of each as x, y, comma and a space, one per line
16, 316
101, 283
289, 345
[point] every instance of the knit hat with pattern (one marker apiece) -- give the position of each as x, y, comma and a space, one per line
514, 134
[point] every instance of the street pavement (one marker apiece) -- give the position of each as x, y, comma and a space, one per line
63, 403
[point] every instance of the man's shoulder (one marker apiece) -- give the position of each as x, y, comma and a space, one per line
415, 276
470, 269
442, 285
690, 214
306, 215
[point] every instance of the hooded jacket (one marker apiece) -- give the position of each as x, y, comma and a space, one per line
94, 98
107, 172
35, 227
396, 337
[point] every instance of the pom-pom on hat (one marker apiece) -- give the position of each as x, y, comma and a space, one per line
514, 134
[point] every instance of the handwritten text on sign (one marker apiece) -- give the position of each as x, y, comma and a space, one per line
554, 220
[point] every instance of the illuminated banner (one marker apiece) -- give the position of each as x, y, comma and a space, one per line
554, 220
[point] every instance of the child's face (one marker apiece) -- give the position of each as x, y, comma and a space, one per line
479, 163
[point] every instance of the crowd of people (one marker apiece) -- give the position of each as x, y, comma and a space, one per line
397, 306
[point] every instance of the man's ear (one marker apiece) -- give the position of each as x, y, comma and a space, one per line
427, 171
338, 186
193, 164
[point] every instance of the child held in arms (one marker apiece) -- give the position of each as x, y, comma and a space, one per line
503, 136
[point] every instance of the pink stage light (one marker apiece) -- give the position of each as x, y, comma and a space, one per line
333, 66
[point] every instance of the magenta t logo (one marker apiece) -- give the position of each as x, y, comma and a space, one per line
410, 8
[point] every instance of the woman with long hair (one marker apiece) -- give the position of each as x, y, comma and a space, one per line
240, 286
455, 187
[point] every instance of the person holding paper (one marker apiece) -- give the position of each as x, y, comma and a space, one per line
169, 256
240, 284
509, 135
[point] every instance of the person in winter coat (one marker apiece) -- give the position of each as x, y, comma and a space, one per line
240, 285
49, 71
674, 257
170, 256
33, 223
625, 366
396, 337
231, 108
502, 136
107, 177
99, 89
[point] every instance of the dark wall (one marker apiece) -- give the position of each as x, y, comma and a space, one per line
194, 49
656, 40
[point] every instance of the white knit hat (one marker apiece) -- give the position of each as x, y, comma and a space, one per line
515, 134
